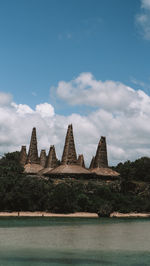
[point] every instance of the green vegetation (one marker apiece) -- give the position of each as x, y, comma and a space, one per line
137, 170
22, 192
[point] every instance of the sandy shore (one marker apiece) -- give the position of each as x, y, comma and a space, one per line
128, 215
48, 214
76, 214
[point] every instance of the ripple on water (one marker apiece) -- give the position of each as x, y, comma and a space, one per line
74, 241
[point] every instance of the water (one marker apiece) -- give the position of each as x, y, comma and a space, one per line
74, 241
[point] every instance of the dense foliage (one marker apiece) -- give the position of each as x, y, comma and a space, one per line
137, 170
21, 192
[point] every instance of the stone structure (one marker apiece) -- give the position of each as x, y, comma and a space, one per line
23, 155
80, 160
101, 154
43, 158
33, 151
52, 160
69, 154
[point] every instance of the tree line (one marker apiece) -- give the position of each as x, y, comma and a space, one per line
22, 192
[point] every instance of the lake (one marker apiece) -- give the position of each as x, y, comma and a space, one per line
74, 241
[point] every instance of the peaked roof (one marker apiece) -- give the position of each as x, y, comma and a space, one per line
81, 160
33, 151
23, 155
43, 158
32, 168
45, 170
92, 163
101, 154
69, 154
104, 171
68, 169
52, 159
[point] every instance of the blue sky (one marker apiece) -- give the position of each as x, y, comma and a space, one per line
84, 62
43, 42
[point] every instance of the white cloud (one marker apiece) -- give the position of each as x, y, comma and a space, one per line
45, 110
139, 83
145, 4
121, 114
5, 98
22, 109
143, 19
107, 95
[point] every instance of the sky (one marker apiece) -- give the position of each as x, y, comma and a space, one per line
84, 62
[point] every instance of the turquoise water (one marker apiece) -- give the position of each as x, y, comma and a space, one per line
74, 241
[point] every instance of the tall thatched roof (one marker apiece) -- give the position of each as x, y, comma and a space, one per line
43, 158
80, 160
52, 160
92, 163
23, 156
69, 153
101, 154
33, 151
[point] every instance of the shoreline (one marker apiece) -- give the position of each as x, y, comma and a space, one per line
76, 214
129, 215
48, 214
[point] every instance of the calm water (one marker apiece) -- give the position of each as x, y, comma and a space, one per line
74, 241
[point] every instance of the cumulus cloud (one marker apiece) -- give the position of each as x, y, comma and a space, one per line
5, 98
143, 19
121, 114
108, 95
22, 109
45, 110
145, 4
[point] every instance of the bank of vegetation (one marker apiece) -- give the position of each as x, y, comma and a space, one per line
22, 192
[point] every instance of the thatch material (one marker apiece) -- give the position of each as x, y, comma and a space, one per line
104, 171
80, 160
101, 154
32, 168
69, 169
33, 151
52, 160
23, 156
43, 158
92, 163
45, 170
69, 155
